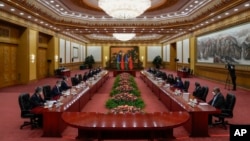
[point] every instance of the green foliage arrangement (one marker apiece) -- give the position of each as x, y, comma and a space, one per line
114, 92
89, 61
116, 82
136, 92
112, 103
157, 61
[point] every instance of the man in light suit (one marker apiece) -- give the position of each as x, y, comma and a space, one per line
218, 101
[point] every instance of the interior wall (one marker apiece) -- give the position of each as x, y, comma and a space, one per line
142, 54
8, 70
53, 53
185, 51
41, 57
23, 58
152, 51
106, 55
173, 55
62, 51
8, 54
217, 72
70, 52
192, 54
42, 64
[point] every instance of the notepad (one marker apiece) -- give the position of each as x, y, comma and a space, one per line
203, 103
185, 96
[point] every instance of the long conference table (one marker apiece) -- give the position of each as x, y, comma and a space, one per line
158, 125
197, 125
74, 101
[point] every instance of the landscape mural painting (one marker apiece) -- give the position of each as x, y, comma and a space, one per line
227, 46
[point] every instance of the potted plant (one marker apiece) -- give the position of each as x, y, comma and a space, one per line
89, 61
157, 61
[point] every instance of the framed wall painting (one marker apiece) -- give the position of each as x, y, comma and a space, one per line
231, 45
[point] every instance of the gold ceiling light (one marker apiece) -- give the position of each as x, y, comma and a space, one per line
124, 9
124, 36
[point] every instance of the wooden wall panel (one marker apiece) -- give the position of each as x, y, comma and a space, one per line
8, 73
172, 64
42, 64
220, 74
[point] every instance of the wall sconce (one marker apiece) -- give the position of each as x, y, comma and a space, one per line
142, 57
106, 58
56, 58
32, 58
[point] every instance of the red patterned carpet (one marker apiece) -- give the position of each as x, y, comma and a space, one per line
10, 119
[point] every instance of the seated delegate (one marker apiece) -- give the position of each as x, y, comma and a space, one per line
64, 84
37, 102
198, 91
170, 79
85, 76
218, 101
56, 91
178, 84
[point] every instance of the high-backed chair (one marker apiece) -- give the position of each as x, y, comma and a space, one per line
47, 92
205, 92
186, 85
80, 77
226, 112
74, 81
25, 107
170, 79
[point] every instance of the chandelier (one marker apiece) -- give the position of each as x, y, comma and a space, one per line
124, 36
124, 9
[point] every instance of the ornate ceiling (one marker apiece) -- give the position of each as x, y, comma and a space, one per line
163, 21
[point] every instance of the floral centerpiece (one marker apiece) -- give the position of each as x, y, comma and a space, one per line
123, 109
124, 82
124, 88
125, 96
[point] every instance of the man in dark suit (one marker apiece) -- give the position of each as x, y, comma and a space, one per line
37, 102
231, 70
64, 84
179, 84
85, 76
56, 91
90, 74
218, 101
37, 98
170, 79
198, 91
